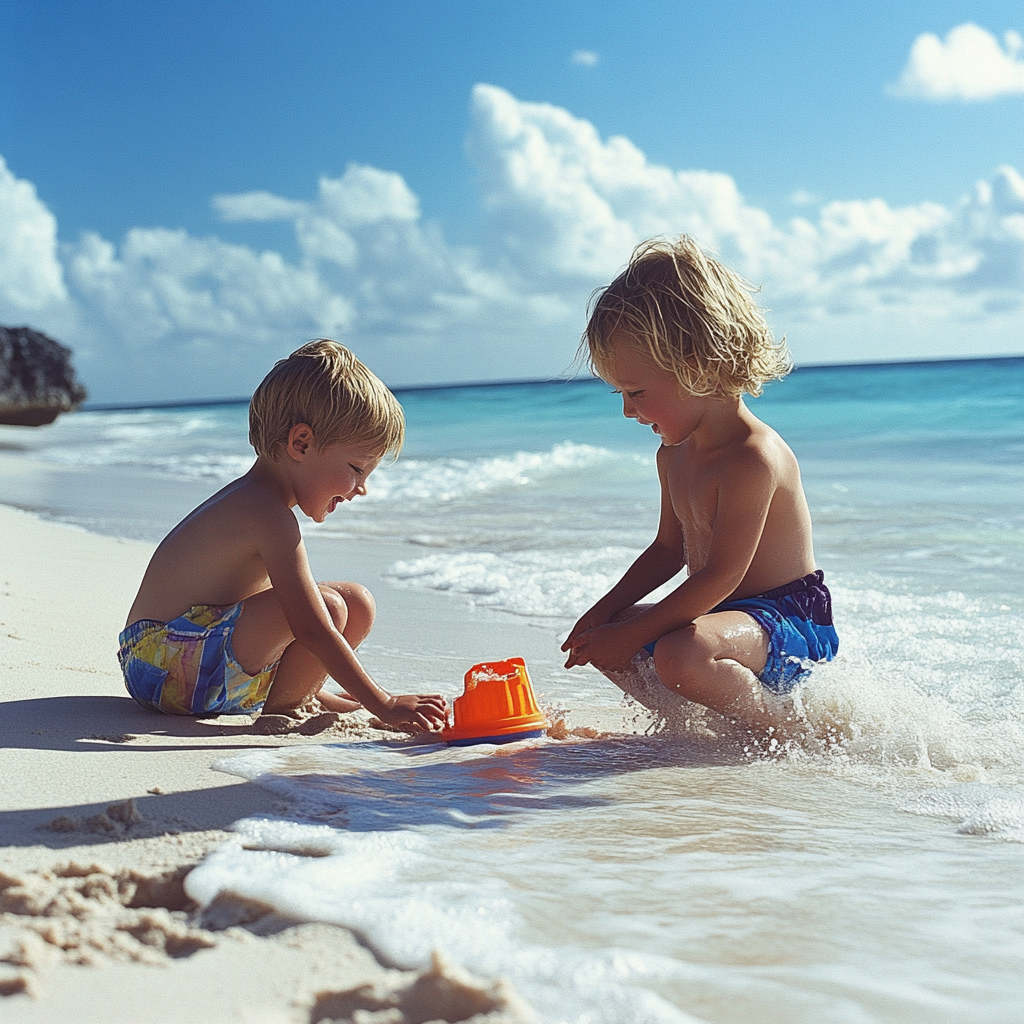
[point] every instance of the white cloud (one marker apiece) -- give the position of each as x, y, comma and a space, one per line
969, 65
567, 206
584, 58
370, 271
31, 277
255, 206
169, 286
165, 314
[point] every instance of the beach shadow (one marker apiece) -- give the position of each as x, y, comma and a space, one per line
85, 723
375, 786
158, 814
114, 725
483, 792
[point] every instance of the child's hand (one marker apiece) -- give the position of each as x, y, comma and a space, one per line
415, 712
609, 648
588, 621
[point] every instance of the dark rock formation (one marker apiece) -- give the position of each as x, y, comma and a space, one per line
36, 378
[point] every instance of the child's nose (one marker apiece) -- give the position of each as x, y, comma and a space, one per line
628, 408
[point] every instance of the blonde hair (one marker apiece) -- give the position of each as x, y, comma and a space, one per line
325, 385
692, 316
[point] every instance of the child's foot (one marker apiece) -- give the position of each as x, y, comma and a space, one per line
319, 723
294, 725
343, 703
275, 725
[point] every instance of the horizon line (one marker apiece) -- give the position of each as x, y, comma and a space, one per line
189, 403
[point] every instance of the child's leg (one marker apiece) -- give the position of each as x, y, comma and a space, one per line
714, 662
262, 634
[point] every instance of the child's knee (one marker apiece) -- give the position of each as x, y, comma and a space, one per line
351, 606
361, 604
336, 606
679, 657
628, 613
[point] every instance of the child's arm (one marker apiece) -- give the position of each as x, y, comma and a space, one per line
656, 565
745, 491
280, 545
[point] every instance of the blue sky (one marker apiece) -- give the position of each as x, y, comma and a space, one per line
440, 185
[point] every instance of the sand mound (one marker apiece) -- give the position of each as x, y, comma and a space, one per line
119, 817
444, 994
89, 914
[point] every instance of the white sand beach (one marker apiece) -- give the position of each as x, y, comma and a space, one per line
105, 807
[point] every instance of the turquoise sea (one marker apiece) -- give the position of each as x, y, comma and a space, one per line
660, 872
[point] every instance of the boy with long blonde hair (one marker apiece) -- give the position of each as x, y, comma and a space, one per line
678, 335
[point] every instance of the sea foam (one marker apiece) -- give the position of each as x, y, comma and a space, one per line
534, 583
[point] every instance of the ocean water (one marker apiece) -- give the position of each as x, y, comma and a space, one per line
660, 870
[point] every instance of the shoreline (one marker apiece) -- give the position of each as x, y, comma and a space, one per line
104, 801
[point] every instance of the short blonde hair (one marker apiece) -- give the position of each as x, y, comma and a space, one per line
325, 385
692, 316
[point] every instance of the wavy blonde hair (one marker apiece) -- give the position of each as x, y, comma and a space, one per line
692, 316
325, 385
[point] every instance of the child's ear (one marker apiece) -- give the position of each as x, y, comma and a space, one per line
300, 441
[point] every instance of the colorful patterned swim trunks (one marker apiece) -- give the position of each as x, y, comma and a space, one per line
188, 666
797, 618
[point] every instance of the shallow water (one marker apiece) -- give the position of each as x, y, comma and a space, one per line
642, 879
874, 875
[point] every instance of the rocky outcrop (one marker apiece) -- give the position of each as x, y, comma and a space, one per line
37, 381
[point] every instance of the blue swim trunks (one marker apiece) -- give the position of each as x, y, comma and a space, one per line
797, 618
188, 666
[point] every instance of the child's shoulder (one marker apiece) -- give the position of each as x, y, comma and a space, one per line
763, 444
246, 505
765, 454
755, 451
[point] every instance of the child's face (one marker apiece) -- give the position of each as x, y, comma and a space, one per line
334, 474
651, 395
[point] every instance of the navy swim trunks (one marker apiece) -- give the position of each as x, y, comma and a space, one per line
797, 618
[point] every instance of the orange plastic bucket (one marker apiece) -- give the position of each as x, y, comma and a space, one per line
497, 706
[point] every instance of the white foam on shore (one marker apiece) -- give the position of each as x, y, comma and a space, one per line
447, 479
613, 880
387, 869
535, 583
191, 445
978, 809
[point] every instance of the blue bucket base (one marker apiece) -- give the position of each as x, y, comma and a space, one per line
509, 737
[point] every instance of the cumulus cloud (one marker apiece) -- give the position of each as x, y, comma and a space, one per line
370, 271
584, 58
31, 276
969, 65
567, 206
255, 206
168, 314
167, 286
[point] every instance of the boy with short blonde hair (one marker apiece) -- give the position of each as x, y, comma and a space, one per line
228, 619
678, 335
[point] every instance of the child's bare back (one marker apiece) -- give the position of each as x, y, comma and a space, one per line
753, 609
211, 556
228, 618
